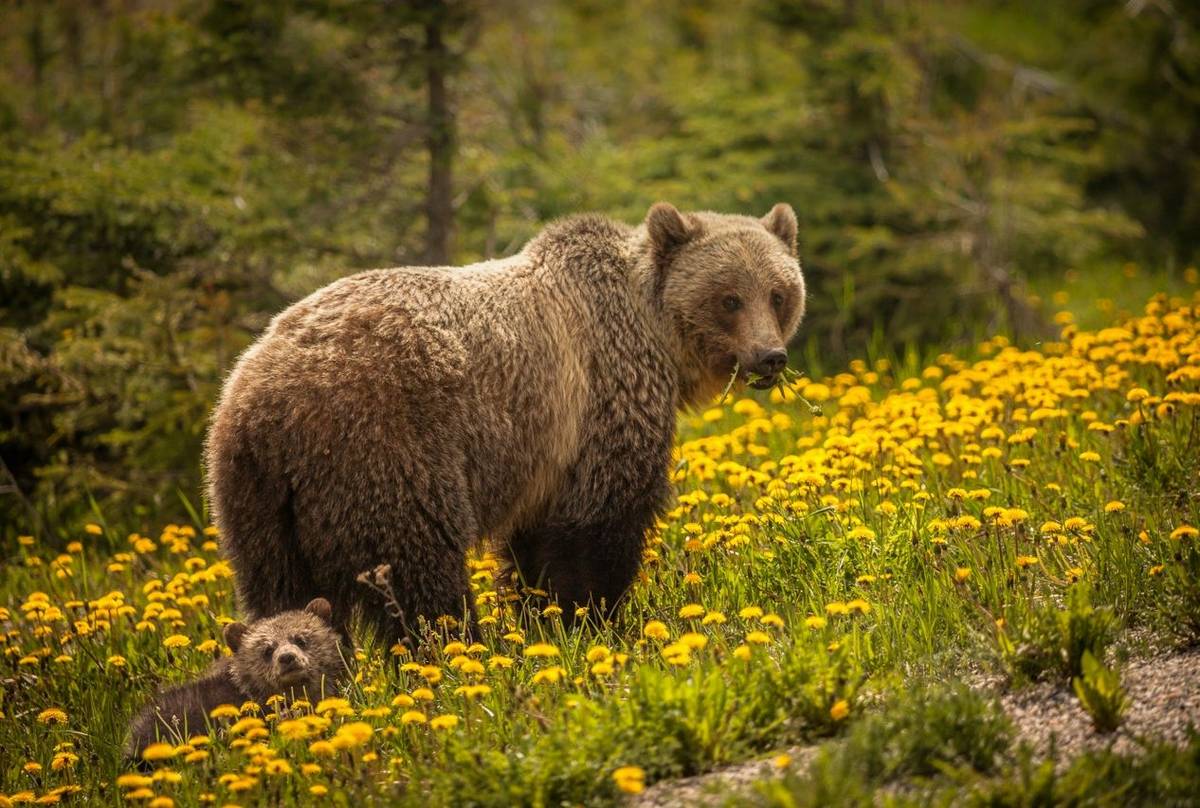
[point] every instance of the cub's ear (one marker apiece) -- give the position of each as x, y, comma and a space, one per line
781, 222
668, 230
234, 632
321, 608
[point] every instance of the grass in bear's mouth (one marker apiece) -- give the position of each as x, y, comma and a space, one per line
1000, 515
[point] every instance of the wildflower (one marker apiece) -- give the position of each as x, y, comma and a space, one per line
757, 638
839, 710
750, 613
1184, 532
814, 622
713, 618
655, 630
53, 715
158, 751
322, 749
541, 649
1026, 561
858, 605
224, 711
353, 734
444, 722
551, 675
961, 574
472, 691
773, 620
742, 652
630, 779
177, 641
692, 610
1115, 506
334, 706
422, 694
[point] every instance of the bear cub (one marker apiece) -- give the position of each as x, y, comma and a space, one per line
295, 654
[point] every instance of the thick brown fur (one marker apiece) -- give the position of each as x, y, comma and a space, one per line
294, 654
400, 416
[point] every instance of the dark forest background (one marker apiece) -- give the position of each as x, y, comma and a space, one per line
173, 172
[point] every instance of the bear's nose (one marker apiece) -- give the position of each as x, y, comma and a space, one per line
770, 362
287, 659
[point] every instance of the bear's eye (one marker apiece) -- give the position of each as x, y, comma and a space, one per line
732, 303
776, 299
300, 642
267, 651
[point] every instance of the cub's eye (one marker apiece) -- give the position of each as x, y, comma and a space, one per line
732, 303
300, 642
776, 299
268, 651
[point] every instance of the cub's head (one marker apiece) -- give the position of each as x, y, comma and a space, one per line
732, 290
293, 653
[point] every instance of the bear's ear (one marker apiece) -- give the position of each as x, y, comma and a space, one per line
667, 229
781, 222
321, 608
234, 632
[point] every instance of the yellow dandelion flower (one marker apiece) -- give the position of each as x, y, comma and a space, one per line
52, 715
1184, 532
158, 751
444, 722
322, 749
630, 779
541, 649
655, 630
692, 610
224, 711
177, 641
839, 710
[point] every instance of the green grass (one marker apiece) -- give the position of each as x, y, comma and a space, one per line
1005, 514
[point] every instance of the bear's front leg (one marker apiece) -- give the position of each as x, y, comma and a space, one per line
590, 565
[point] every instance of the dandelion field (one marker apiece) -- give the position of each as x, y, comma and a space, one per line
1022, 514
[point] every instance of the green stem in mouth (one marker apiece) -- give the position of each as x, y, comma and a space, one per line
729, 386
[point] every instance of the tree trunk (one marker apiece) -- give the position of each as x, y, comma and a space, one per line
439, 207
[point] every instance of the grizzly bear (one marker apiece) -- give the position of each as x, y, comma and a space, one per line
400, 416
293, 654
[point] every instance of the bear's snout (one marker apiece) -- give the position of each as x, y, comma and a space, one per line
769, 362
765, 366
289, 661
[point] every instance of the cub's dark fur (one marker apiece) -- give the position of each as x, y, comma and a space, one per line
294, 654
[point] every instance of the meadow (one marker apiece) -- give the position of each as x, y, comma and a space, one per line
843, 554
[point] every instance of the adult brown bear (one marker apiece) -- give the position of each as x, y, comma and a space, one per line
399, 416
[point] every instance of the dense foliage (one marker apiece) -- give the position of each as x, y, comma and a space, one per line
1010, 514
172, 172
